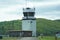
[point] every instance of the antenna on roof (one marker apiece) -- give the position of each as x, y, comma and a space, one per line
26, 3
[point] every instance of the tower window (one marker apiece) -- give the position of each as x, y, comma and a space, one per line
27, 8
28, 13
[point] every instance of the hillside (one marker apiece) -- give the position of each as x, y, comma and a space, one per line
49, 27
10, 25
58, 20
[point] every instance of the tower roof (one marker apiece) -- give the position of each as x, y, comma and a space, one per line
28, 9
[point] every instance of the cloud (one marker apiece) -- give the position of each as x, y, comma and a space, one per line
52, 15
11, 2
12, 12
50, 0
12, 9
45, 9
7, 17
42, 4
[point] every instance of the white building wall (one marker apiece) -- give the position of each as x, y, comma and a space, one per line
29, 25
34, 27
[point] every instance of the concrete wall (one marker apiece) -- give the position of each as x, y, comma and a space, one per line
29, 25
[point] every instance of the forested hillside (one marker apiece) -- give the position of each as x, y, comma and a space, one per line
45, 26
49, 27
10, 25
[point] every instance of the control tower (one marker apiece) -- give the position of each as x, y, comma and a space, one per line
29, 21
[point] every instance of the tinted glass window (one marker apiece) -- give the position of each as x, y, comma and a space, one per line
28, 13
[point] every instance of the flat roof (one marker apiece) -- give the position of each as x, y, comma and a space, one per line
19, 30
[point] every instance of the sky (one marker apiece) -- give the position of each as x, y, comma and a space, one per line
13, 9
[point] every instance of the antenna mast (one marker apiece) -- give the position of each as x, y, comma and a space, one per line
27, 2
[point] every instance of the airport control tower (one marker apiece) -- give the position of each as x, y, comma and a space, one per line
29, 22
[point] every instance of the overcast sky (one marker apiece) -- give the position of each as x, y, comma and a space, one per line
12, 9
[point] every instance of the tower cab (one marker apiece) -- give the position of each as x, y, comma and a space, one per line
28, 13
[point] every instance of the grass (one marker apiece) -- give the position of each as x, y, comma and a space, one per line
10, 38
47, 38
39, 38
